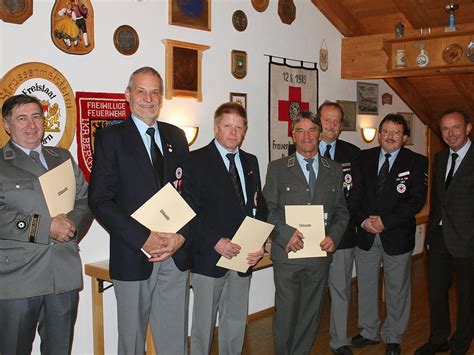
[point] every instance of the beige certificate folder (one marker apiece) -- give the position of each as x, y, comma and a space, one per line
165, 211
309, 220
59, 188
251, 235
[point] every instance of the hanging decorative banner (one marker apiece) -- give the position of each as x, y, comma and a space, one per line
72, 26
56, 96
323, 56
292, 88
96, 111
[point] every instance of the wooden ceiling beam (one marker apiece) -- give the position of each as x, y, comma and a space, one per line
411, 11
465, 85
340, 17
415, 100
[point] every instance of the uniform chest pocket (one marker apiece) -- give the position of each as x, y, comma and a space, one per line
16, 185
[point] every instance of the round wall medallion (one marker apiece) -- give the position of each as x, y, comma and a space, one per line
239, 20
126, 40
470, 51
260, 5
452, 53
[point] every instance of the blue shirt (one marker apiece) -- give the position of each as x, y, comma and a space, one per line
142, 127
303, 163
390, 160
332, 150
238, 164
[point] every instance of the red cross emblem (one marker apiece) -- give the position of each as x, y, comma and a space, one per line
288, 109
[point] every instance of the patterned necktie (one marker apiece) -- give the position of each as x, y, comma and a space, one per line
454, 156
312, 176
34, 155
382, 176
327, 153
156, 158
236, 180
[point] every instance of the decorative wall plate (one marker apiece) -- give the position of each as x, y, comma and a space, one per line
239, 20
452, 53
16, 11
470, 51
126, 40
260, 5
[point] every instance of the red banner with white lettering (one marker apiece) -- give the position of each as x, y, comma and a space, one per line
293, 88
96, 111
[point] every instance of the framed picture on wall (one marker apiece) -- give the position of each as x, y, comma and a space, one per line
194, 14
183, 69
409, 117
367, 98
350, 115
239, 98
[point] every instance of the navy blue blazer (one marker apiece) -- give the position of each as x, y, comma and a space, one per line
348, 155
403, 196
208, 188
122, 180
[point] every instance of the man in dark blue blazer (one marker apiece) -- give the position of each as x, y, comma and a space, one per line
340, 270
222, 184
451, 238
132, 161
394, 182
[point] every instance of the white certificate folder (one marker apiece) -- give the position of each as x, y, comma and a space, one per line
166, 211
309, 220
250, 236
59, 188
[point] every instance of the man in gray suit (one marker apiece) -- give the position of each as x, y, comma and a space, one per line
451, 238
303, 178
40, 267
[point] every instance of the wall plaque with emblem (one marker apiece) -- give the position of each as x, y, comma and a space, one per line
16, 11
190, 13
56, 96
287, 11
239, 64
260, 5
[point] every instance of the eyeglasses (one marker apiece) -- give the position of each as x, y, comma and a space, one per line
396, 133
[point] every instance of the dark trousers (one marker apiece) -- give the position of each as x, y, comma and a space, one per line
55, 314
299, 299
442, 268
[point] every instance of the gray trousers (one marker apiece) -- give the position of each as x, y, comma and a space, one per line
161, 300
229, 295
339, 282
299, 300
397, 275
56, 315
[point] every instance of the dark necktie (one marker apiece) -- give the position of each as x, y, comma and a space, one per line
454, 156
382, 176
156, 158
312, 175
327, 153
236, 180
34, 155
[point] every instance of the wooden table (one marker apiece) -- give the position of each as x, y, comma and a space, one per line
99, 273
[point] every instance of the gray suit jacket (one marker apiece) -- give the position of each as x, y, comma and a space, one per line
454, 206
286, 185
31, 263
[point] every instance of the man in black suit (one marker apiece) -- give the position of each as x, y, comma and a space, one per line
450, 237
132, 161
340, 270
394, 191
222, 184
